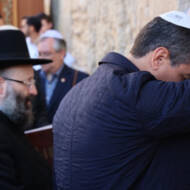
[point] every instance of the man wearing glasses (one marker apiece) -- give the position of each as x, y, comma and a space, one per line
20, 165
56, 78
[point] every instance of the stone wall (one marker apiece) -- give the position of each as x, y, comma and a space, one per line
93, 28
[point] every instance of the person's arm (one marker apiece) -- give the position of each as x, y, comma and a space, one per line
163, 108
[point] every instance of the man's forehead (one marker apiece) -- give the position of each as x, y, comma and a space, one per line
46, 44
19, 68
46, 40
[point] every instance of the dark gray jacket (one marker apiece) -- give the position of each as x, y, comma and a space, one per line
121, 129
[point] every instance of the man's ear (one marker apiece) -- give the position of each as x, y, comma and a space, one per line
50, 25
160, 56
31, 28
2, 87
63, 53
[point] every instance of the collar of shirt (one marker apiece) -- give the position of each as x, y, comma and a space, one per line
51, 77
118, 59
50, 82
32, 48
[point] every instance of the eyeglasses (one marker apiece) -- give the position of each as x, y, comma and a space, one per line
45, 54
29, 84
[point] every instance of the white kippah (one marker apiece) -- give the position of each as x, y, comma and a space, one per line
178, 18
8, 27
52, 34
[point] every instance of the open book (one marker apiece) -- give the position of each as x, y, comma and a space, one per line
42, 139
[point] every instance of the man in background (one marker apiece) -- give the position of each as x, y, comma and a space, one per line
56, 78
21, 167
24, 26
127, 126
33, 33
1, 20
46, 22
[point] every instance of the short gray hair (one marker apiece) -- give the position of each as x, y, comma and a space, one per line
59, 44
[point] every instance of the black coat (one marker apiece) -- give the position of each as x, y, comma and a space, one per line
121, 129
21, 167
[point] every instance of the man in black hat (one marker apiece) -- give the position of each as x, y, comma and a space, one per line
21, 167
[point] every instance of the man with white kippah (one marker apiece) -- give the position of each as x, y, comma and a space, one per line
127, 126
68, 59
51, 34
57, 78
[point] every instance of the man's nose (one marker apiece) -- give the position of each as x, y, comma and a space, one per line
33, 90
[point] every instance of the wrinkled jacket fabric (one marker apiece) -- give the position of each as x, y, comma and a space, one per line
121, 129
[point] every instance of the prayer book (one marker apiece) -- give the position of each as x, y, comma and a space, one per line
42, 140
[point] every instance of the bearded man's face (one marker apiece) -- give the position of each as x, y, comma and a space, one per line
18, 108
18, 89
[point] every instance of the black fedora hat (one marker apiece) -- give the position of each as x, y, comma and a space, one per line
14, 51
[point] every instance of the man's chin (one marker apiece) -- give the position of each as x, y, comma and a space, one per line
28, 124
28, 105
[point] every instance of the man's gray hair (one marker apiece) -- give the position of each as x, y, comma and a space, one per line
59, 44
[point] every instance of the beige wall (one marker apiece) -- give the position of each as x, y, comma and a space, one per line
47, 4
94, 27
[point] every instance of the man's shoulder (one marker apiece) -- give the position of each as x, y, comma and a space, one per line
71, 71
113, 57
81, 73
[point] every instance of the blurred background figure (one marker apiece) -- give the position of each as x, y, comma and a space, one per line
8, 27
46, 22
1, 20
34, 26
24, 26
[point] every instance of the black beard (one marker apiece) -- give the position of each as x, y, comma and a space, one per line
23, 115
17, 109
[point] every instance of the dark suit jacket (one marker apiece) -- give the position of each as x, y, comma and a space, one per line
121, 129
67, 79
39, 105
21, 167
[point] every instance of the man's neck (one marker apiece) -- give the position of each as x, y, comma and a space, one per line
56, 72
34, 37
141, 63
